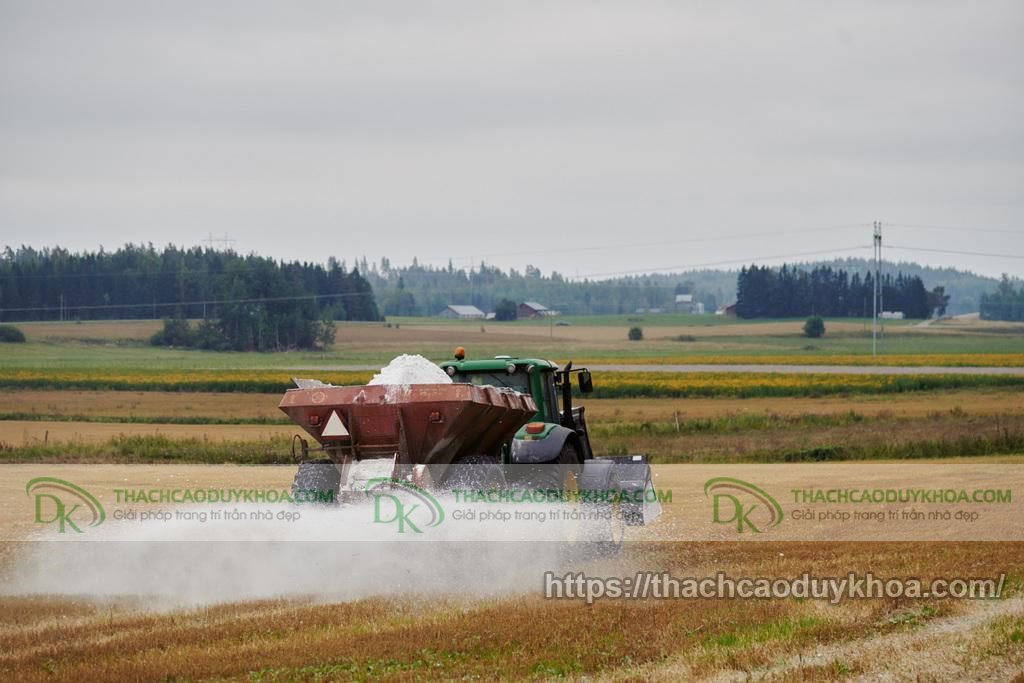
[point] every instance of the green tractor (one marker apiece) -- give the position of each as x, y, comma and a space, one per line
553, 450
502, 422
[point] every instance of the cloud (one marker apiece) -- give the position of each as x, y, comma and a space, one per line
406, 129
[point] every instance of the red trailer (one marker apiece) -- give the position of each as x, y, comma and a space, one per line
416, 431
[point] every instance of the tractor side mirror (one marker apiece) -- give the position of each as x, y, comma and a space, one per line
586, 382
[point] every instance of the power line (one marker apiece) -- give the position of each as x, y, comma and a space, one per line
921, 226
717, 238
224, 241
691, 266
722, 238
165, 304
593, 248
954, 251
631, 245
230, 271
306, 297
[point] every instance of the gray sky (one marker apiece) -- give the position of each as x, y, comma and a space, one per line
516, 132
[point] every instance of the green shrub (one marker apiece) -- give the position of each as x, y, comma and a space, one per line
176, 332
814, 327
10, 333
636, 334
506, 309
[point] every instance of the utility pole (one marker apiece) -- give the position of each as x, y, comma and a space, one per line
881, 289
876, 286
225, 242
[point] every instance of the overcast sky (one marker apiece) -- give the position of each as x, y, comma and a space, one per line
516, 132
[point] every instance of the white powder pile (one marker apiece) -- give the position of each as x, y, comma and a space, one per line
411, 369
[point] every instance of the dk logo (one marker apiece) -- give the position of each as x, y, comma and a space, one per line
740, 500
61, 502
402, 510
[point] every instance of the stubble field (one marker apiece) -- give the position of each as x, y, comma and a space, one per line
448, 635
517, 634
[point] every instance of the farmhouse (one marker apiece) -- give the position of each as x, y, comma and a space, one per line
532, 309
461, 312
686, 304
729, 310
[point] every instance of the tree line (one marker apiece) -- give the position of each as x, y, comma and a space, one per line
423, 290
140, 281
790, 292
1006, 303
248, 302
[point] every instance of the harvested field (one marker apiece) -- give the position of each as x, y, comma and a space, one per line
936, 436
481, 332
91, 331
724, 440
148, 404
22, 432
423, 634
455, 635
972, 402
347, 333
140, 425
53, 638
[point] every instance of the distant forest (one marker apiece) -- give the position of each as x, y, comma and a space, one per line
1006, 303
425, 290
786, 292
264, 304
140, 281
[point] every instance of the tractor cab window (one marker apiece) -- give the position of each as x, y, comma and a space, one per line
520, 381
551, 396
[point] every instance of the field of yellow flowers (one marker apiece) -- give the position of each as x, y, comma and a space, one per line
265, 381
748, 385
899, 360
607, 384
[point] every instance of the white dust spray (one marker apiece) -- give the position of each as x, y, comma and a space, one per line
332, 554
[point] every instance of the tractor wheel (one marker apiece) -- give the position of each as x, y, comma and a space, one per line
559, 475
317, 482
474, 473
604, 530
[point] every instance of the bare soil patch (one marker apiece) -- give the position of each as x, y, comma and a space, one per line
97, 330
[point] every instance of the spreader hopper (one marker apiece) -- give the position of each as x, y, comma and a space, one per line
415, 423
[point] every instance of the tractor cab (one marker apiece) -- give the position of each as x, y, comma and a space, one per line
557, 424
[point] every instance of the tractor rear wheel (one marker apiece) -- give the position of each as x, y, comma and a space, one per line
604, 530
317, 482
559, 475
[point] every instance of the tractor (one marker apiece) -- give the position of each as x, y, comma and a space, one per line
502, 422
